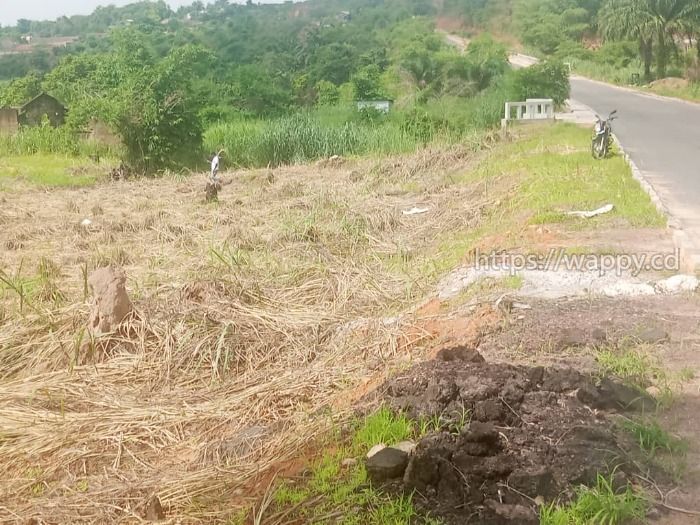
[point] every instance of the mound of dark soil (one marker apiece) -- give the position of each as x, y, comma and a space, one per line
532, 433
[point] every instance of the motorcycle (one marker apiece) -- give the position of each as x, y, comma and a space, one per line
602, 136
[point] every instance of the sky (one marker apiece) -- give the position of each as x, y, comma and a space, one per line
12, 10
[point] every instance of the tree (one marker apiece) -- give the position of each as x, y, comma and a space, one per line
654, 23
20, 90
367, 83
544, 80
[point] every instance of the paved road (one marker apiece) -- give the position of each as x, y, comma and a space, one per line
663, 138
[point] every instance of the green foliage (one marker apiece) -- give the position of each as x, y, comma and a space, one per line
367, 83
487, 59
651, 437
384, 426
600, 505
548, 79
20, 90
328, 93
632, 364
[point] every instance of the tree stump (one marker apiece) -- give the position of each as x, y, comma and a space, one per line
212, 190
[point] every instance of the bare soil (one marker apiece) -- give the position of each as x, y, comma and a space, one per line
541, 420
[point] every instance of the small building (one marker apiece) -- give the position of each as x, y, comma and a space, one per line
383, 106
344, 16
9, 120
33, 112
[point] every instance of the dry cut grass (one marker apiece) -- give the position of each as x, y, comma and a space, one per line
253, 324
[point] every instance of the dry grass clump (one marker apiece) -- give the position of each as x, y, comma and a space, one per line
237, 357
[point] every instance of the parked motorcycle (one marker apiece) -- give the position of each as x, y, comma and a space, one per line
602, 136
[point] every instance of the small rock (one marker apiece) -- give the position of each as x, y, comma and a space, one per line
388, 463
652, 335
519, 514
677, 284
407, 446
154, 510
348, 463
611, 394
654, 391
111, 302
376, 448
460, 353
86, 223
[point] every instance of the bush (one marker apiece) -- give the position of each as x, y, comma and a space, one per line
545, 80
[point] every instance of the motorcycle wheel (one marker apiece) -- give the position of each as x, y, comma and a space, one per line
598, 148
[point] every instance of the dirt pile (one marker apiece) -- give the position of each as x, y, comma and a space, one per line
507, 435
111, 302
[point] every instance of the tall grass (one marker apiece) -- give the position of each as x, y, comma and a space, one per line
342, 131
45, 139
301, 138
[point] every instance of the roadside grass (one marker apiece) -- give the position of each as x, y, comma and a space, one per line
545, 173
600, 504
343, 493
48, 170
625, 76
691, 92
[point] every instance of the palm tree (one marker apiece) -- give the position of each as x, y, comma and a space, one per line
620, 19
654, 23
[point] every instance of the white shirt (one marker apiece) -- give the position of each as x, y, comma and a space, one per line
215, 165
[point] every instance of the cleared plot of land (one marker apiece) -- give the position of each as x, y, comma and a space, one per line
258, 318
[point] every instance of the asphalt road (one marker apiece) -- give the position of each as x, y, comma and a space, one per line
662, 136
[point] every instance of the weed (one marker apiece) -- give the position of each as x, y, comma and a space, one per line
651, 437
382, 427
686, 374
461, 421
600, 504
631, 364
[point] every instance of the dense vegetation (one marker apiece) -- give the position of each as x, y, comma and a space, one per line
269, 83
619, 40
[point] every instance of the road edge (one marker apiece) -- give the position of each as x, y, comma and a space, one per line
688, 254
633, 90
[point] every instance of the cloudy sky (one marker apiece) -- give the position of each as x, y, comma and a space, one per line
11, 10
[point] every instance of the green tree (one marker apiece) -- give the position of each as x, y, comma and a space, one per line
544, 80
367, 83
654, 23
20, 90
328, 93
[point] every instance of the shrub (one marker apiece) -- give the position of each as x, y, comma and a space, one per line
545, 80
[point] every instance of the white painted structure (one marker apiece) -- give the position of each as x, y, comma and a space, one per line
383, 106
531, 109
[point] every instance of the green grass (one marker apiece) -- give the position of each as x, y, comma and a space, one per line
652, 438
382, 427
551, 171
632, 364
598, 505
690, 92
328, 131
47, 169
345, 492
